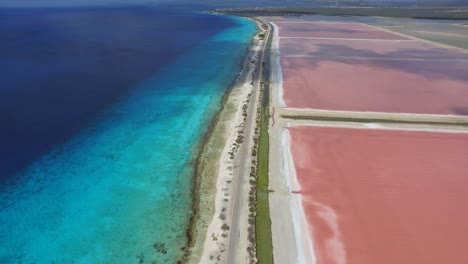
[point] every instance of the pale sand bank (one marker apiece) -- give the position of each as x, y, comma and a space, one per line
283, 206
277, 74
302, 232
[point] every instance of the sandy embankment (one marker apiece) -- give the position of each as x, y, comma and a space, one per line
302, 234
277, 74
291, 237
217, 169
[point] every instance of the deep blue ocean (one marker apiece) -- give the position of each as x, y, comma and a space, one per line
101, 112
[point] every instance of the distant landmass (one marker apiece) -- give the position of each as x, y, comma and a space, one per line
244, 3
435, 12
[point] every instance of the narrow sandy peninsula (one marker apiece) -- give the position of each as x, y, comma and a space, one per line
223, 230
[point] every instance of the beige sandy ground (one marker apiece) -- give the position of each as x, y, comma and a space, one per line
222, 227
289, 246
291, 238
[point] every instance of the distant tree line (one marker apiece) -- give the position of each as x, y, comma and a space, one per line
458, 13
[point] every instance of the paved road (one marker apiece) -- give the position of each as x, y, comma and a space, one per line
243, 165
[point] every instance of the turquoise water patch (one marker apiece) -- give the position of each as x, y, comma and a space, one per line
119, 192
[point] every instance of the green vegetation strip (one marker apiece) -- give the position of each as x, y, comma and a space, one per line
264, 242
262, 219
373, 120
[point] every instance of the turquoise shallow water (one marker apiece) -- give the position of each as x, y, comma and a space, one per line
119, 191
